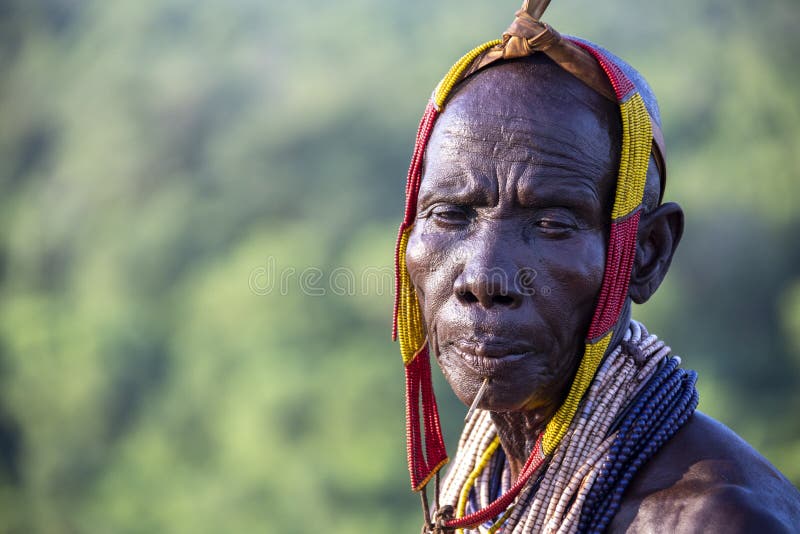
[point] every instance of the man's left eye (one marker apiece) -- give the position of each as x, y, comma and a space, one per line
555, 225
551, 223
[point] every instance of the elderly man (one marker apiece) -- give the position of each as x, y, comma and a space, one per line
533, 219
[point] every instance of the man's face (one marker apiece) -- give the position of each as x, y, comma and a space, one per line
508, 249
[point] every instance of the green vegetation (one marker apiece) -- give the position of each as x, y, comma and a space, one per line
156, 156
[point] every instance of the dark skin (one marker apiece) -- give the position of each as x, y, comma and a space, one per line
507, 256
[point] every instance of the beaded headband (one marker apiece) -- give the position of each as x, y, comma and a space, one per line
641, 137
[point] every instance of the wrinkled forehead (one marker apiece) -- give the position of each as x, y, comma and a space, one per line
524, 137
527, 112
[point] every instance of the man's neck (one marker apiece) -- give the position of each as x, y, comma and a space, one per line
518, 432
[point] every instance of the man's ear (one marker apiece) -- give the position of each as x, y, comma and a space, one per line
660, 232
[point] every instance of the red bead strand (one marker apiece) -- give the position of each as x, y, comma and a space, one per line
499, 505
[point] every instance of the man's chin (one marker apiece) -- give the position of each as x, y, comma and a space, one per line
511, 391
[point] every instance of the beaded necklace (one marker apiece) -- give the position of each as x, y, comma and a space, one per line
639, 398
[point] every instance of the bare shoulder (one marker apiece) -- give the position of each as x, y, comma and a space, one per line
707, 479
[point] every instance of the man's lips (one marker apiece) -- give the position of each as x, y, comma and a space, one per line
494, 347
490, 357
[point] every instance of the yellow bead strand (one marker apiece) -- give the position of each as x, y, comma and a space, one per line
442, 90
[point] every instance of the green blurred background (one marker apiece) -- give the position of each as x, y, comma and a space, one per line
159, 159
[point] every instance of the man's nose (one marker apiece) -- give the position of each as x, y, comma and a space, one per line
488, 278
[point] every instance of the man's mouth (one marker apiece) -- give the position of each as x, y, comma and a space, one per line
493, 356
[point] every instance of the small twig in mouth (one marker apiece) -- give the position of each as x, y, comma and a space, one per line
478, 398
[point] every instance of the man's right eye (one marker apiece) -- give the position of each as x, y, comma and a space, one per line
450, 215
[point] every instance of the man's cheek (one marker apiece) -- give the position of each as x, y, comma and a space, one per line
417, 258
579, 264
429, 261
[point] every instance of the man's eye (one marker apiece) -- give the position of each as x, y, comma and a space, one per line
553, 225
450, 215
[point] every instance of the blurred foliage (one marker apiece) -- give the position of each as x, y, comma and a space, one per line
156, 156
